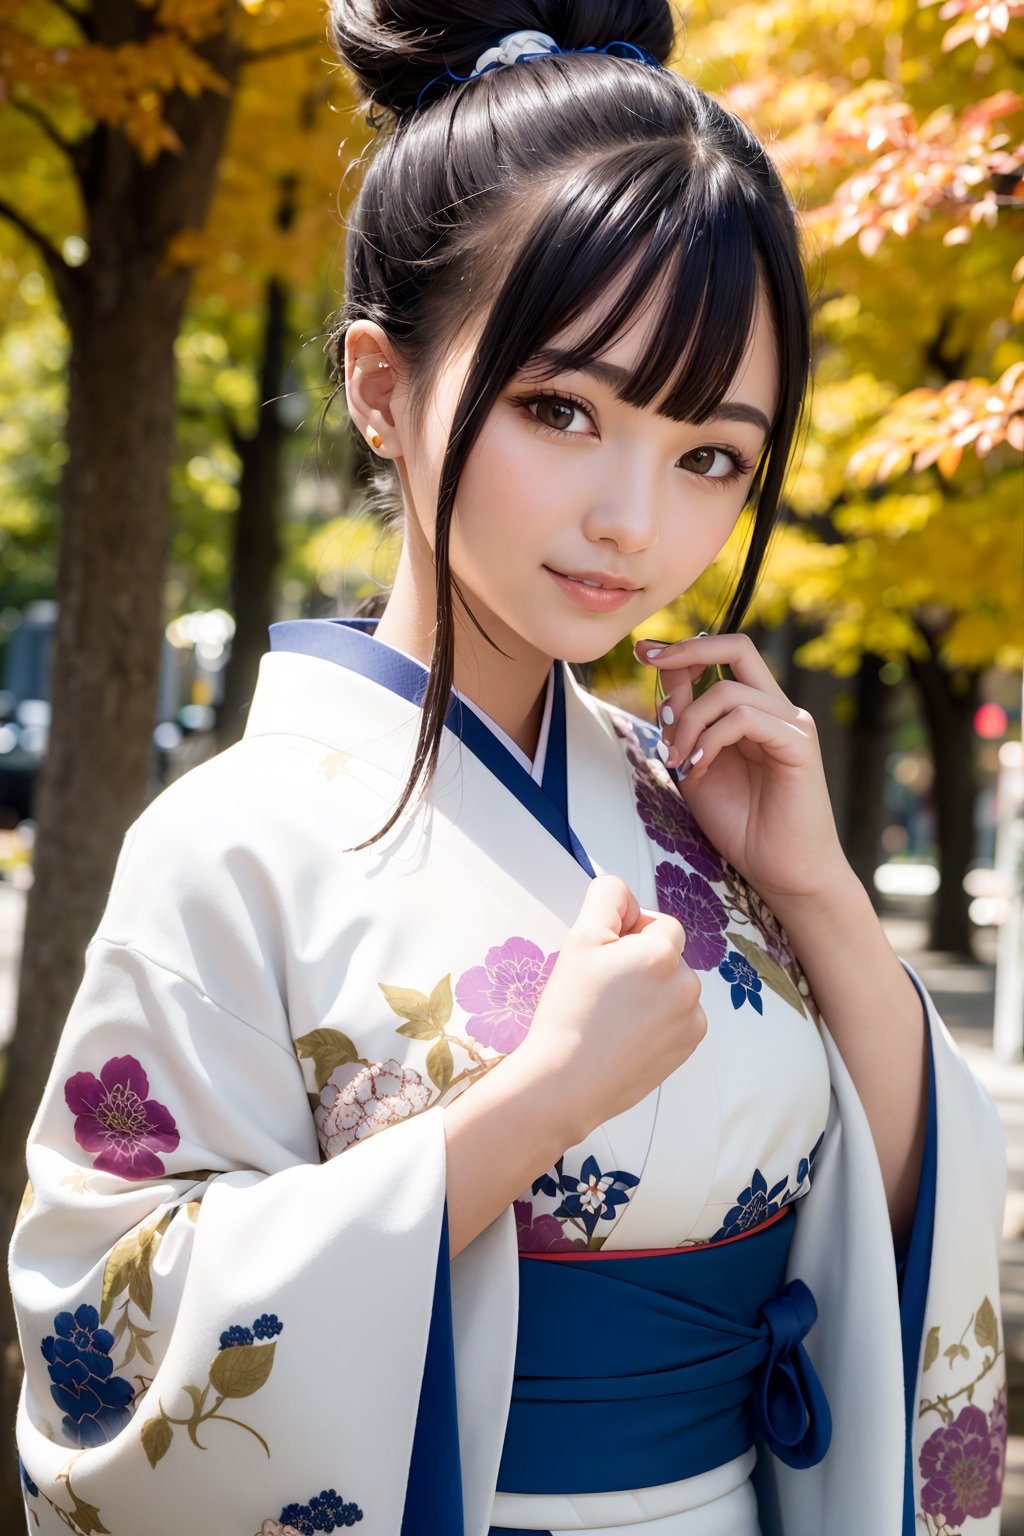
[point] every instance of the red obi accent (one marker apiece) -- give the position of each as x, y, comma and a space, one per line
648, 1253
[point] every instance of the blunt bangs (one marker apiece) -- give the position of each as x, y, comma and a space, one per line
687, 238
697, 267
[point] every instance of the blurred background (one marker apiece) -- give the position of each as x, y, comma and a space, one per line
174, 475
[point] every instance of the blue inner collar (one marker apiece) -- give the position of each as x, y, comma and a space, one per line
350, 643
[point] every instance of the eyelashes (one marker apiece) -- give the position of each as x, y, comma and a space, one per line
741, 465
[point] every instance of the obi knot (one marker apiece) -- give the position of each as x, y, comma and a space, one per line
790, 1407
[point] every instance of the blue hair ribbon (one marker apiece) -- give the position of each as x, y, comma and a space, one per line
616, 49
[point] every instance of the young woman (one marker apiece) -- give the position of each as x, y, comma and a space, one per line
484, 1110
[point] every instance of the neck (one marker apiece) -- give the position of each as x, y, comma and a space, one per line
510, 688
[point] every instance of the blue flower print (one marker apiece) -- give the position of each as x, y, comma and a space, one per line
327, 1512
804, 1168
268, 1326
594, 1196
754, 1205
236, 1335
745, 983
96, 1403
26, 1480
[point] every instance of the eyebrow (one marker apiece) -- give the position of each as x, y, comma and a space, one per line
618, 378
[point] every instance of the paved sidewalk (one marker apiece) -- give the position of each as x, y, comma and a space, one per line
964, 995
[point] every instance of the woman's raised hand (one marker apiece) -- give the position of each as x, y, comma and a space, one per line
753, 769
620, 1011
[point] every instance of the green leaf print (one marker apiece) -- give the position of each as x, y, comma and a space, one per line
242, 1369
327, 1049
986, 1329
440, 1064
157, 1435
769, 970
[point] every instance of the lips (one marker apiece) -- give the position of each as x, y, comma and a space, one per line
598, 579
596, 598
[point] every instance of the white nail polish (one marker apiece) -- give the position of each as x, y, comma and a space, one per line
667, 715
662, 750
691, 762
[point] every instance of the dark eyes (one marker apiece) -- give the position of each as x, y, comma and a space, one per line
565, 416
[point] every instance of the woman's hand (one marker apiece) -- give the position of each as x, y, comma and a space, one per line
757, 787
620, 1011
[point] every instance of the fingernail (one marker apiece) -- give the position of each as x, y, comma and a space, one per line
667, 714
654, 647
691, 762
662, 751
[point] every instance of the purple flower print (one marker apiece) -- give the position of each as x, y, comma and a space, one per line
999, 1419
690, 898
541, 1234
356, 1101
116, 1119
962, 1469
502, 994
669, 822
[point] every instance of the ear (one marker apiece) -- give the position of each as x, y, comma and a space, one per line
371, 376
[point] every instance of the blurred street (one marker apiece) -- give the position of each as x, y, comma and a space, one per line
963, 994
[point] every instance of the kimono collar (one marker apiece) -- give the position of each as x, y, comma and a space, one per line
350, 644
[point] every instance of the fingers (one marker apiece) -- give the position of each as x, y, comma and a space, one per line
725, 698
609, 909
757, 734
737, 652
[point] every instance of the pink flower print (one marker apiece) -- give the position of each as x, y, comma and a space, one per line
690, 898
502, 994
275, 1528
962, 1469
541, 1234
116, 1119
356, 1101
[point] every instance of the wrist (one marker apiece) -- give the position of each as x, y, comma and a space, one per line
837, 908
540, 1087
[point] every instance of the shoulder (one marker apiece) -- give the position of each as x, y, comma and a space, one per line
206, 878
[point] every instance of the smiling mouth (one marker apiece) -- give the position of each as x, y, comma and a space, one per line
598, 583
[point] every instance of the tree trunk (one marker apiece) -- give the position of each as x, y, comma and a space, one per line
257, 546
123, 309
948, 702
867, 744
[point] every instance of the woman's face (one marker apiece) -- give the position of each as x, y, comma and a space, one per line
568, 485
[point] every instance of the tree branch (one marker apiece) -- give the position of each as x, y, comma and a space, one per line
297, 45
35, 115
49, 252
80, 18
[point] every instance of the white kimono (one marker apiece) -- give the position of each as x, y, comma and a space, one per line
224, 1320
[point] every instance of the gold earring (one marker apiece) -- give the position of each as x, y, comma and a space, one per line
375, 440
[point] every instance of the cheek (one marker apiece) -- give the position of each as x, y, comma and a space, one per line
695, 537
506, 501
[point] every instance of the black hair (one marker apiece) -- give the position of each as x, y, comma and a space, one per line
571, 168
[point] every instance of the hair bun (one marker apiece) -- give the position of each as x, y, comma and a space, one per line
396, 47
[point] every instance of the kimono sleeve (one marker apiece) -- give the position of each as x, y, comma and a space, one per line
212, 1321
917, 1392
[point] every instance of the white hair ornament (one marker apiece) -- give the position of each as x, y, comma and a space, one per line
516, 46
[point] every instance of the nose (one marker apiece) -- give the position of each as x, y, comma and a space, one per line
623, 508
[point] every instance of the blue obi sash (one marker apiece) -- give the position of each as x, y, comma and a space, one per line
636, 1371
